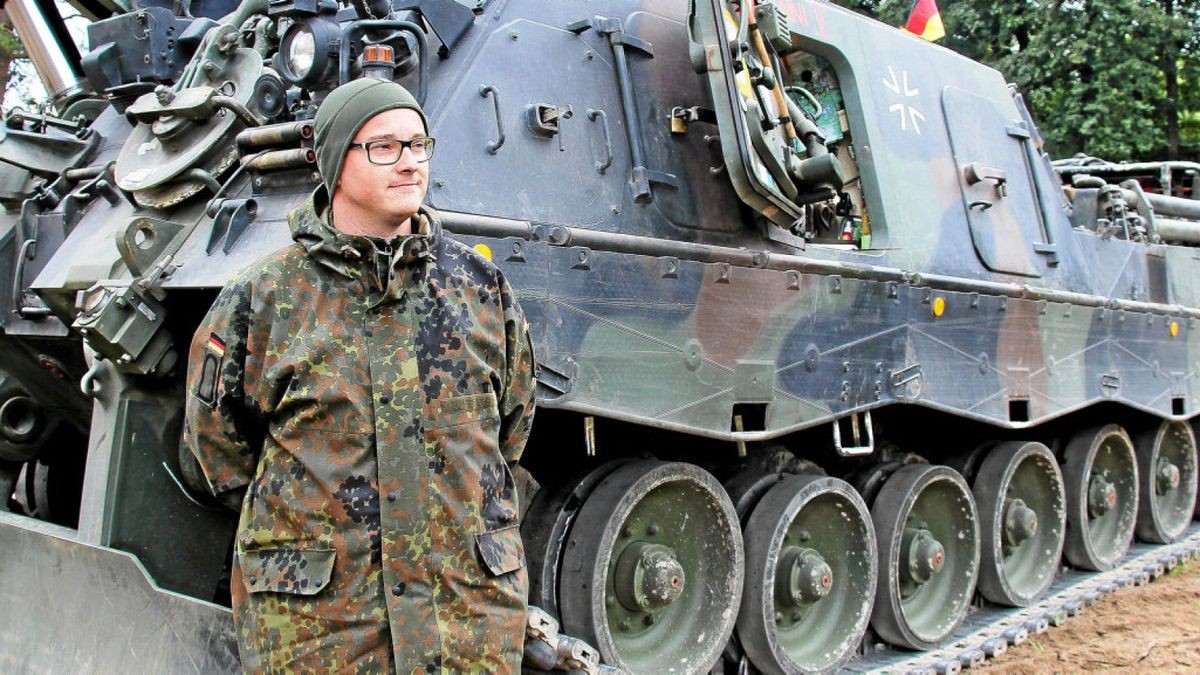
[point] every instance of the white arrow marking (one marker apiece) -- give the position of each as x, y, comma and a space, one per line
890, 81
915, 115
900, 87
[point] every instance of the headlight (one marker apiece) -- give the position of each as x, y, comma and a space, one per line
300, 51
307, 52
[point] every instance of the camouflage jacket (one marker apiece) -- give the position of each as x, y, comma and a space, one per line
340, 369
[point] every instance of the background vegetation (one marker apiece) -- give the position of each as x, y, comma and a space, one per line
1117, 79
15, 66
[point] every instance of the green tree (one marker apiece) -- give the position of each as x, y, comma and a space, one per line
15, 67
1089, 71
1181, 72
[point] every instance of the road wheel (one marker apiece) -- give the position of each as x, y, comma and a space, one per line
928, 534
652, 569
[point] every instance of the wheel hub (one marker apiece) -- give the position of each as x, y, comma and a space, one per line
1102, 496
804, 578
1167, 477
1020, 522
648, 577
925, 556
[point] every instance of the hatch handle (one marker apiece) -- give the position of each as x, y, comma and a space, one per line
977, 172
593, 114
494, 146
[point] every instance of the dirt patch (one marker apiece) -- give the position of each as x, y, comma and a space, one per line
1155, 627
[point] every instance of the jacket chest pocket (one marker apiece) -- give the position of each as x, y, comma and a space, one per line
458, 410
462, 432
471, 478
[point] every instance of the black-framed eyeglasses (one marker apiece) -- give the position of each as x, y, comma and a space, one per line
388, 150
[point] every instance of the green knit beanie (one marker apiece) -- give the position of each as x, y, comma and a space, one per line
345, 111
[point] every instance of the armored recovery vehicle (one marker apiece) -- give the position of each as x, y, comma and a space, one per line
829, 356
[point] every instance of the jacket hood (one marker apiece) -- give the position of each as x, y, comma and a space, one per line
352, 255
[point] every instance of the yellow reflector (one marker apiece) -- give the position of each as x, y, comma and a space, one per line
1174, 328
484, 250
939, 306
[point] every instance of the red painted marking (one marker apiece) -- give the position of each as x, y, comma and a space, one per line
794, 12
806, 14
797, 10
819, 13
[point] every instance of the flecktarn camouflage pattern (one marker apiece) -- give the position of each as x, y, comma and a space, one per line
368, 397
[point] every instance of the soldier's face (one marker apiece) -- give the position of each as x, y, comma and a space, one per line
380, 198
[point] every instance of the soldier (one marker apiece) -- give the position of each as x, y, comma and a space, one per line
373, 357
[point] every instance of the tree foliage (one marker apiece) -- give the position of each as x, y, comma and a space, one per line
15, 66
1117, 79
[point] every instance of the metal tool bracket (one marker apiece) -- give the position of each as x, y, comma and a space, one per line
230, 222
614, 30
642, 177
555, 379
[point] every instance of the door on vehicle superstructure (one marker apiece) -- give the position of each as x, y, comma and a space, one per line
998, 189
778, 159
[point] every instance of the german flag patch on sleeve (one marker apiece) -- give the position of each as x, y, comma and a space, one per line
216, 345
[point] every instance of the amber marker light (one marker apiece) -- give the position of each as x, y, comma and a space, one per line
484, 250
1174, 329
939, 306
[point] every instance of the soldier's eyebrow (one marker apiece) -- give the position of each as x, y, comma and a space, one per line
388, 137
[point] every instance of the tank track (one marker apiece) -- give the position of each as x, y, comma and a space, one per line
989, 631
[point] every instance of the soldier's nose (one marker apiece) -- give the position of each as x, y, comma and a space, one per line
407, 161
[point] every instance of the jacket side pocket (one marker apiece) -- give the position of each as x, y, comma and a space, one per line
501, 550
287, 570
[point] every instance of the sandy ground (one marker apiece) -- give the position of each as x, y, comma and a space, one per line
1151, 628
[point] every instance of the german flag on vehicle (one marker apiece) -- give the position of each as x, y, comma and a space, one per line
925, 21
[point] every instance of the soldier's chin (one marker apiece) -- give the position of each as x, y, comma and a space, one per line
401, 212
